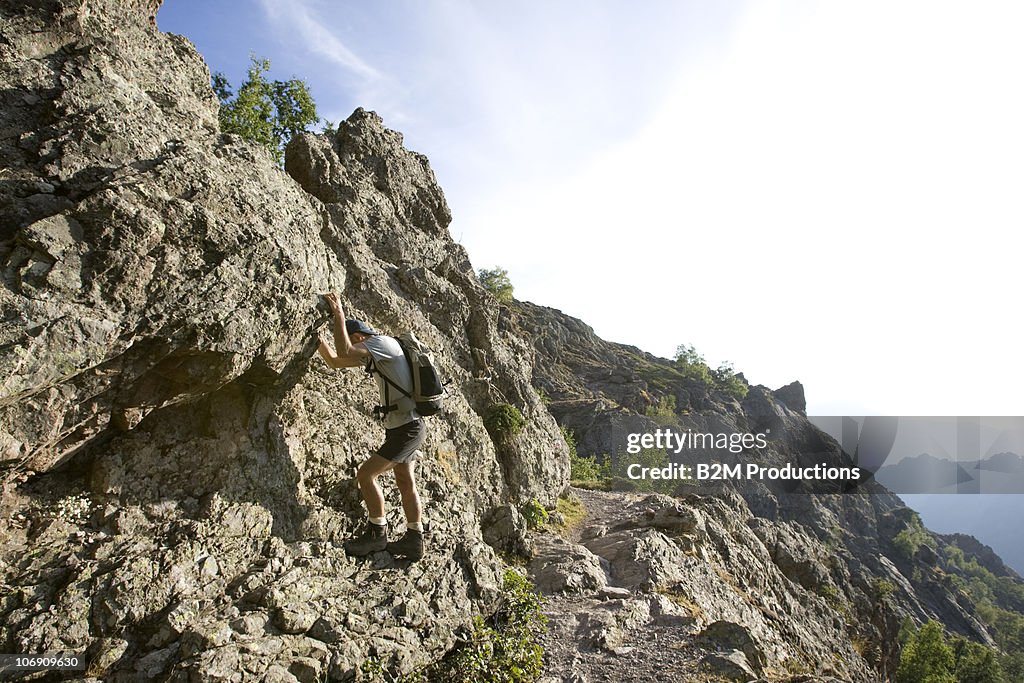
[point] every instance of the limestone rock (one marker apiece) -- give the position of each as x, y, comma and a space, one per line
160, 284
562, 567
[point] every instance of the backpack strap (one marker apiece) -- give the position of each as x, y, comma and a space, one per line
382, 411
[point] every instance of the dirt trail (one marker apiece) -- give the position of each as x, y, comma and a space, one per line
615, 635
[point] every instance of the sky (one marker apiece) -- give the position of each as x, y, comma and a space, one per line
829, 192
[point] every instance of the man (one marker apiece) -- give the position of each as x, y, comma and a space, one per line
357, 345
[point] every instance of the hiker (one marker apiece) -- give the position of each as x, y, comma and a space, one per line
358, 344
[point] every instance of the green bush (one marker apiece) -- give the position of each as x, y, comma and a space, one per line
726, 380
694, 368
908, 541
649, 457
587, 470
505, 651
504, 421
497, 283
883, 589
928, 658
535, 514
268, 113
999, 601
665, 412
583, 470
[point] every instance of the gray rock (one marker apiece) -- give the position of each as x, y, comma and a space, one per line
505, 530
161, 287
295, 618
563, 567
727, 635
731, 665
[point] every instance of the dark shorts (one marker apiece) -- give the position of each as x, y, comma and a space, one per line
401, 443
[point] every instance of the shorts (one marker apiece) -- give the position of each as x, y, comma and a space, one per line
402, 442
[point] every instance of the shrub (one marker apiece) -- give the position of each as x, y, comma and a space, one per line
726, 380
649, 457
497, 283
694, 368
928, 658
883, 589
534, 513
665, 412
504, 421
908, 541
583, 469
506, 651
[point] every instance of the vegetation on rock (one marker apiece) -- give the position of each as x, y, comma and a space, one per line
505, 650
504, 421
928, 658
266, 112
534, 514
693, 366
496, 281
910, 540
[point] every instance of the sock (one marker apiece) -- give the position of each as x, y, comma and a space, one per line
415, 526
379, 521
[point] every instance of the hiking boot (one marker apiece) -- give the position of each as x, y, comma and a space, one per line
373, 539
409, 546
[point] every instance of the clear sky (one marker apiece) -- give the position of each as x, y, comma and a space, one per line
823, 191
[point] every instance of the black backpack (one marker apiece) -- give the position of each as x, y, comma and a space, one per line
427, 387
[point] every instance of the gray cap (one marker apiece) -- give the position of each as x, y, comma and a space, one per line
358, 326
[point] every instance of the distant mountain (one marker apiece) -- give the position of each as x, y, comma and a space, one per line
992, 519
925, 473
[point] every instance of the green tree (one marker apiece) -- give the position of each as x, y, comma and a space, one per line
926, 657
269, 113
693, 366
497, 283
975, 663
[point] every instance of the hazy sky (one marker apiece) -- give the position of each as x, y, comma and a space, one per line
830, 192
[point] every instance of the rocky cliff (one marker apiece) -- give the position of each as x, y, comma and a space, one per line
178, 462
811, 582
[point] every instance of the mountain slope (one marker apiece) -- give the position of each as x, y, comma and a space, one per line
179, 463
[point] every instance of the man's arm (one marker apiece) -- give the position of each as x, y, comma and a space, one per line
348, 355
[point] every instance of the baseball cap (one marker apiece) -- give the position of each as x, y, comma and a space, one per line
358, 326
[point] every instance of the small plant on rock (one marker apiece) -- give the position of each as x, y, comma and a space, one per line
503, 421
535, 514
506, 649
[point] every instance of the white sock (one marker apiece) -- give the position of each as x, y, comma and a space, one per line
415, 526
379, 521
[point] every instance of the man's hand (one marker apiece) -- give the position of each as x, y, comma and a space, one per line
335, 305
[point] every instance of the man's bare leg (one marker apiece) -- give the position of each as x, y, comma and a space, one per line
375, 537
405, 478
411, 544
367, 478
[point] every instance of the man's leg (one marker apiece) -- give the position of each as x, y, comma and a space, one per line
411, 544
367, 478
405, 478
376, 536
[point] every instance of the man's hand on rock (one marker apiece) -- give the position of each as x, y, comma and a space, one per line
335, 305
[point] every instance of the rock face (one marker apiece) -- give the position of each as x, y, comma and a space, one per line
176, 456
178, 464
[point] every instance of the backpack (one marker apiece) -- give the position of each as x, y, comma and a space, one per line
427, 387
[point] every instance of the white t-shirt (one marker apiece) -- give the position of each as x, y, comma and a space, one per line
389, 359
